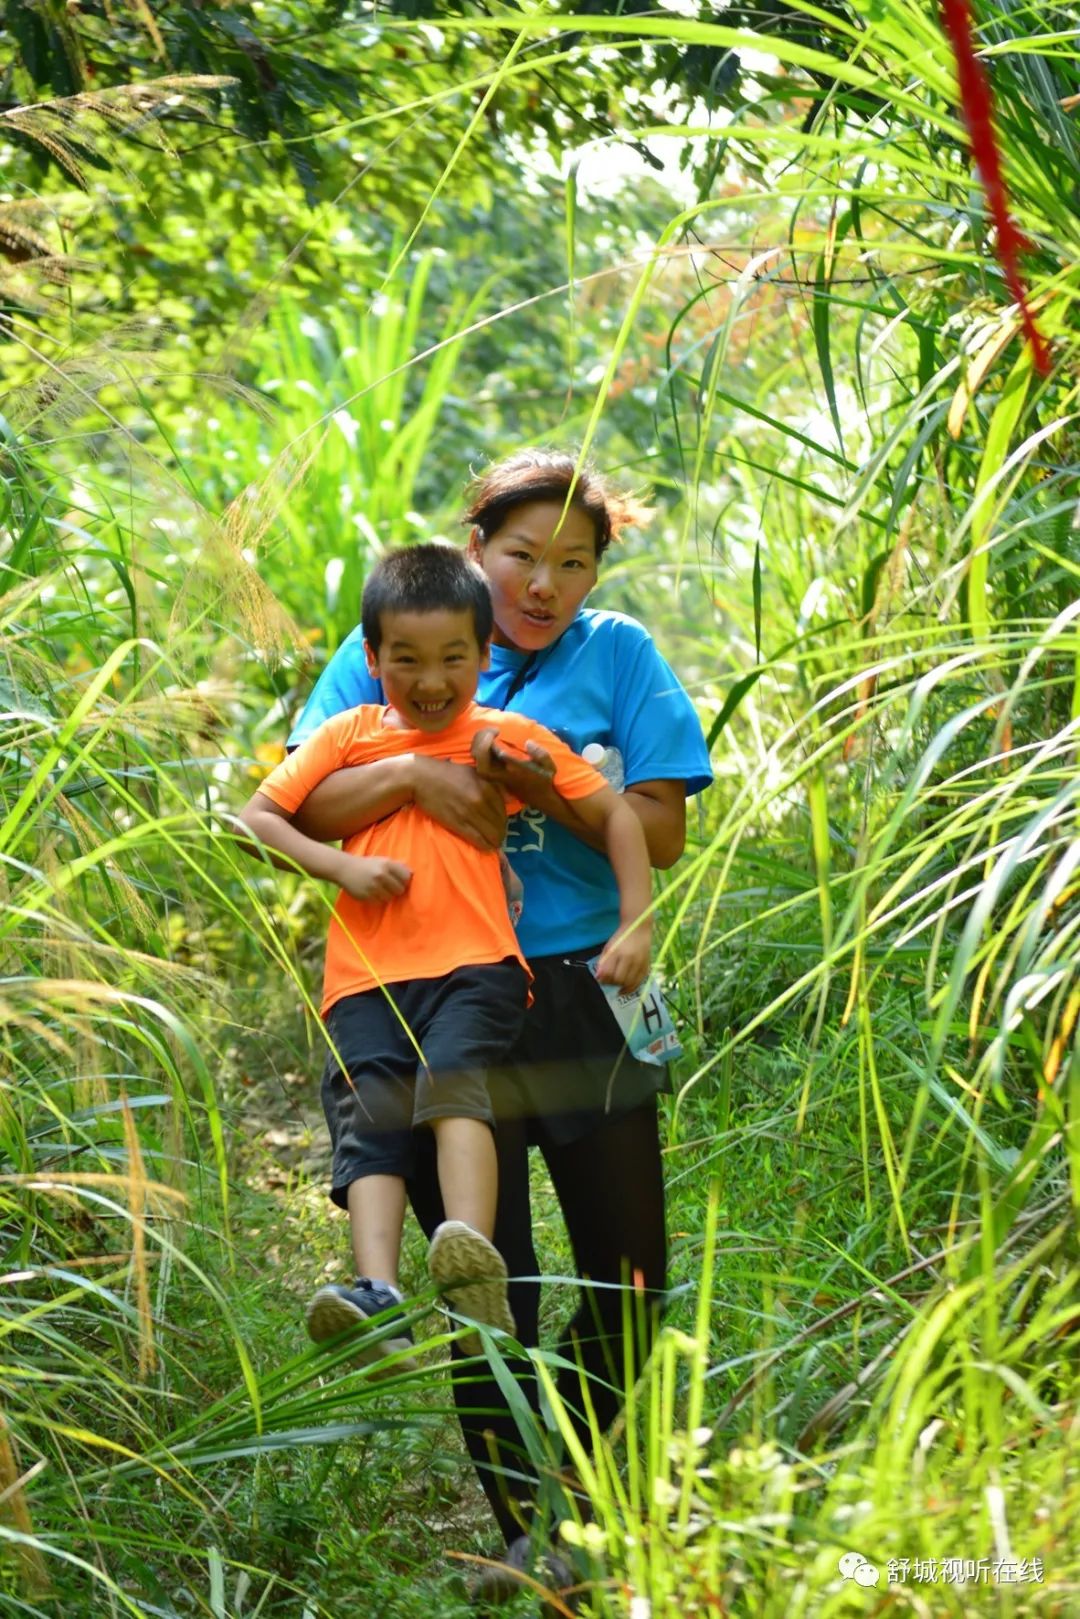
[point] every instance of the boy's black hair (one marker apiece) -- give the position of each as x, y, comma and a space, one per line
426, 579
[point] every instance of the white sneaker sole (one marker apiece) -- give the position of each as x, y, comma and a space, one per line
471, 1273
329, 1315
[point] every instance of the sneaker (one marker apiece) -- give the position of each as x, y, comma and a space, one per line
334, 1310
470, 1269
525, 1566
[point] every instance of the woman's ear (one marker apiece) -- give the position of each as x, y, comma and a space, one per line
474, 546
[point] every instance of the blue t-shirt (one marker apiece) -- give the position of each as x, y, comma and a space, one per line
601, 681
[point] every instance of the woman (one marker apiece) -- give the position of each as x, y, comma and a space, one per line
574, 1091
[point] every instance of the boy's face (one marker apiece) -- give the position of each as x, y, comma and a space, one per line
429, 664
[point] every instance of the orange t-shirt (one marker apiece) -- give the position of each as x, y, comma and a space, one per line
453, 913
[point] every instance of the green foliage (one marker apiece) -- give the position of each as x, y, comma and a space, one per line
355, 406
682, 1521
268, 339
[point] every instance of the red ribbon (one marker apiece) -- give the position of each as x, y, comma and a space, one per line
978, 109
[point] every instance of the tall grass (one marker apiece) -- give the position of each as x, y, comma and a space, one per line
338, 450
906, 723
868, 581
145, 1378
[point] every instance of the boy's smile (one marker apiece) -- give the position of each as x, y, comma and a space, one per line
429, 664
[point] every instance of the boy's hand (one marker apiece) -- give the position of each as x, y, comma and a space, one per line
372, 877
624, 960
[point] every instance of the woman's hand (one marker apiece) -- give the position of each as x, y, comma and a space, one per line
624, 960
461, 800
351, 799
527, 777
372, 877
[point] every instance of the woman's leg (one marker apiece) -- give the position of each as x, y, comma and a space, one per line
487, 1422
611, 1188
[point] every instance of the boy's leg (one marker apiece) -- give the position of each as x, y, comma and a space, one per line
368, 1096
487, 1423
376, 1214
463, 1262
367, 1093
474, 1017
468, 1171
376, 1217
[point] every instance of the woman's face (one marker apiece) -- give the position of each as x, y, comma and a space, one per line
538, 577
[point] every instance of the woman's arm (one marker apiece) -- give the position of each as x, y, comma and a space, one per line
454, 795
660, 806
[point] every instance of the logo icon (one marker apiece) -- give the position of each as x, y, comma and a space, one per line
854, 1566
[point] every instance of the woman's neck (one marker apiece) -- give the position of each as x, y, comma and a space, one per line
504, 641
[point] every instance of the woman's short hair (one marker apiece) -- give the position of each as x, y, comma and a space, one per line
425, 579
550, 475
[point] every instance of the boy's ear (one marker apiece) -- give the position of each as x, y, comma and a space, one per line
485, 655
372, 661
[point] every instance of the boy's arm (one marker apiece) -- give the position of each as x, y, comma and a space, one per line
624, 960
364, 878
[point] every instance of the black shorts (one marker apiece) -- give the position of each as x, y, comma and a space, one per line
570, 1066
376, 1089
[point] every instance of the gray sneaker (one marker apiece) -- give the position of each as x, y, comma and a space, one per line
522, 1564
470, 1272
335, 1310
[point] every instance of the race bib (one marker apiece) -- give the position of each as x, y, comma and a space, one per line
644, 1020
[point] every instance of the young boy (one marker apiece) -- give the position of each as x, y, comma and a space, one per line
425, 987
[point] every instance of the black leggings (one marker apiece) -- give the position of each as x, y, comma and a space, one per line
610, 1185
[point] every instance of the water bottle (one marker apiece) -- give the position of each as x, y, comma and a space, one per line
609, 762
